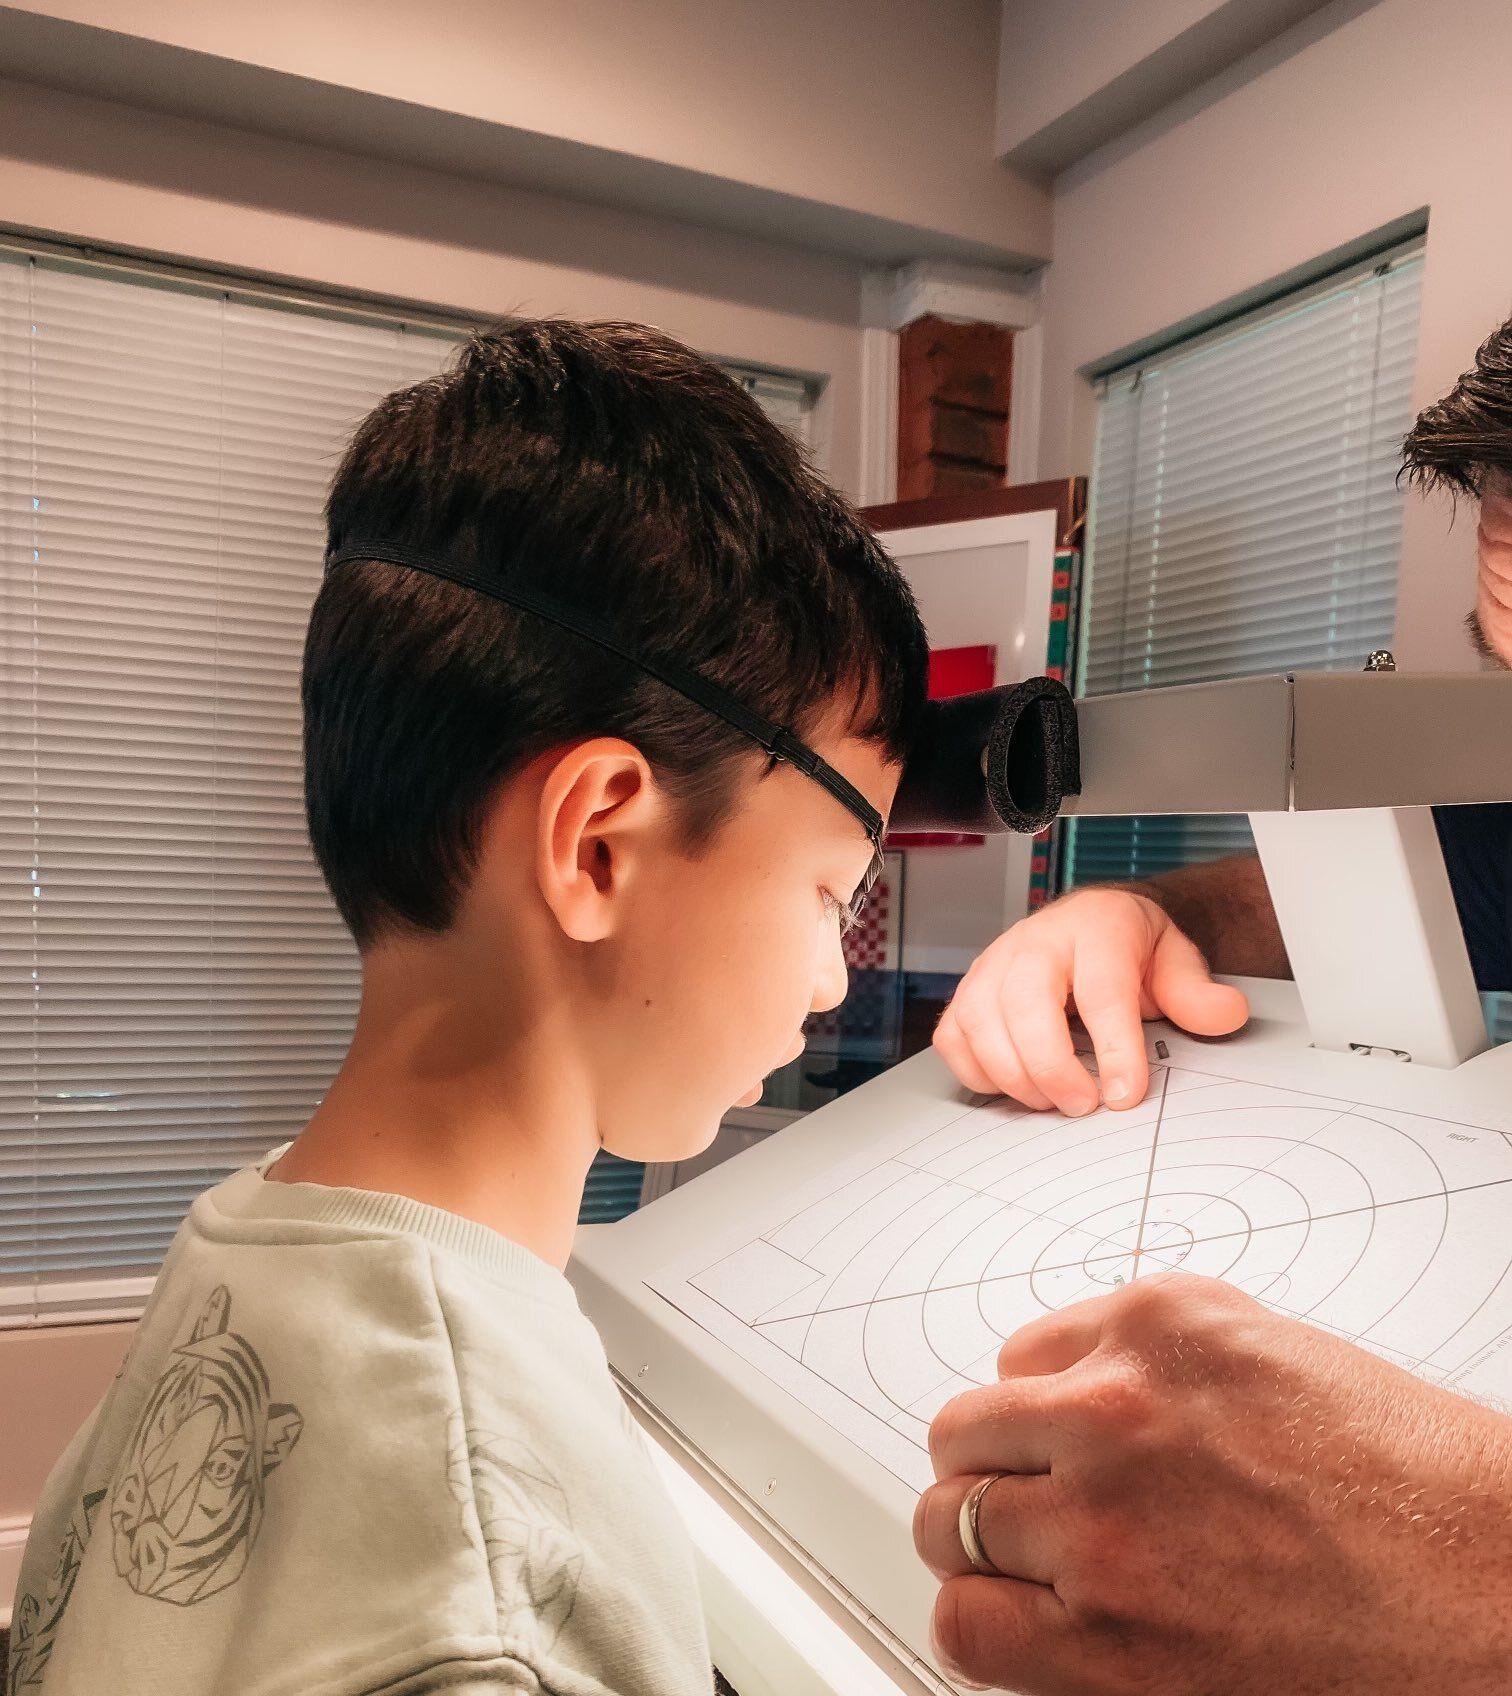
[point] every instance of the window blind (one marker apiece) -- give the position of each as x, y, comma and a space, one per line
1245, 518
176, 989
1498, 1011
788, 401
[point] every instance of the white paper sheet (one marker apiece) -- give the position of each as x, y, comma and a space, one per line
887, 1287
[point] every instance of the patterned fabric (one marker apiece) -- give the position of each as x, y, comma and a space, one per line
875, 944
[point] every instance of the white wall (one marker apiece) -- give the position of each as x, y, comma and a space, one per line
869, 109
1053, 55
1404, 106
1072, 74
107, 173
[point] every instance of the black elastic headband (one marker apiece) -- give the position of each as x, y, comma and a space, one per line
781, 744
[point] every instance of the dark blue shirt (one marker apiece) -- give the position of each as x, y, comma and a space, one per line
1477, 844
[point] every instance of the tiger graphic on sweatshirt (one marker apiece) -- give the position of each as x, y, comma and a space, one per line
187, 1503
35, 1624
187, 1500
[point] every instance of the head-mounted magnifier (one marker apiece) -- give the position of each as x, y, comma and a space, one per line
1001, 759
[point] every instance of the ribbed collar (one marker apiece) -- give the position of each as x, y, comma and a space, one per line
248, 1195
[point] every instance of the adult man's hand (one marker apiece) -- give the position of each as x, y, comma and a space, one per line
1118, 959
1206, 1499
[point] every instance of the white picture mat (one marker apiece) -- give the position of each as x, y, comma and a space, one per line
979, 582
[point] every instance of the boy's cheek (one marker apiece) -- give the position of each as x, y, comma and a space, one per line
724, 976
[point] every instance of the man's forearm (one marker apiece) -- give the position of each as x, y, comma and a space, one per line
1225, 907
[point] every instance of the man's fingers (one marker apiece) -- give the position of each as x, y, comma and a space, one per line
1183, 990
1003, 1633
1055, 1342
986, 1047
1005, 1427
954, 1049
1033, 1002
1106, 983
1017, 1524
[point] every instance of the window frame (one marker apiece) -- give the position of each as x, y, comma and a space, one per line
1267, 307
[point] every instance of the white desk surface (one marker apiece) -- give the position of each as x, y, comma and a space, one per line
1338, 1167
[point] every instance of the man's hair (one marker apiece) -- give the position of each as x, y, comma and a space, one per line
613, 468
1458, 439
1467, 435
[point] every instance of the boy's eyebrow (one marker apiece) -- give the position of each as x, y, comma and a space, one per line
778, 741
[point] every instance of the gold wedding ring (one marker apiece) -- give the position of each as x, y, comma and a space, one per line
971, 1534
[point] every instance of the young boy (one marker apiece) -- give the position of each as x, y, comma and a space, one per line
364, 1440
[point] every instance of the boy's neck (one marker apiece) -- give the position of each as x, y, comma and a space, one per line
479, 1110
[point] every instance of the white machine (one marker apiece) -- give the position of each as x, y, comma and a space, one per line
786, 1325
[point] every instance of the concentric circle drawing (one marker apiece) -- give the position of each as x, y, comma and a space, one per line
894, 1286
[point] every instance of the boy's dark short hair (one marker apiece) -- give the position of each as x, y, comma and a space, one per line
624, 473
1458, 439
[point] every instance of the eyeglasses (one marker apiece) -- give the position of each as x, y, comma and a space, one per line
780, 744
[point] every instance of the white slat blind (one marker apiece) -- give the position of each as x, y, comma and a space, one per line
175, 986
1245, 518
788, 401
1498, 1011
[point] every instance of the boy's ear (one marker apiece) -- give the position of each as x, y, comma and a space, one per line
598, 805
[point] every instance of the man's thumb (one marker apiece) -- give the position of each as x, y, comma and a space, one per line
1184, 992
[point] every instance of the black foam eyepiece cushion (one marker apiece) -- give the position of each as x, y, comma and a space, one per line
1033, 754
1000, 759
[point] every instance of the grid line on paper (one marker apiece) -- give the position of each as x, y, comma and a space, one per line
986, 1205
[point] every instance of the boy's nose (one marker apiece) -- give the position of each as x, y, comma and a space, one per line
833, 979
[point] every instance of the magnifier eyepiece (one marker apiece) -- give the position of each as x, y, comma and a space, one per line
1001, 759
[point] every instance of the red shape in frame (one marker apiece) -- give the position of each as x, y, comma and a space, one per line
952, 671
